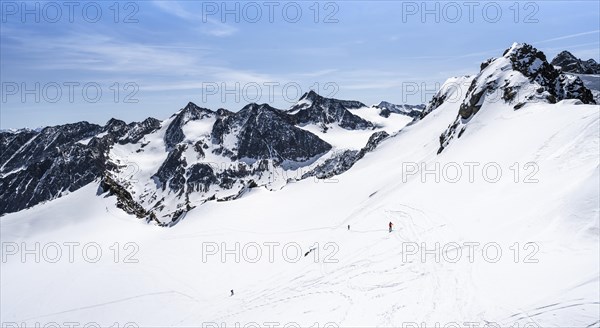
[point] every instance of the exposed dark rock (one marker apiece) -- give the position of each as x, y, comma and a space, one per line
136, 131
199, 147
315, 109
124, 199
10, 142
532, 63
374, 140
571, 64
408, 110
264, 132
200, 177
544, 84
172, 170
48, 164
191, 112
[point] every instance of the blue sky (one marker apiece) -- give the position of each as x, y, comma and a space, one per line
160, 55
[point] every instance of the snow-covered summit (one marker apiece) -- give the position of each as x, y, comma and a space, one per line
520, 77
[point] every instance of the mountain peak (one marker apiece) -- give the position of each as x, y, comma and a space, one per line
113, 121
258, 107
523, 52
310, 95
193, 107
571, 64
566, 54
521, 76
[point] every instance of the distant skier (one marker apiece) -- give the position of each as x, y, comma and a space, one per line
348, 227
309, 251
231, 292
390, 225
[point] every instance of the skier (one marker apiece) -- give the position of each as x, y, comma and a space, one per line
231, 292
310, 250
390, 225
348, 227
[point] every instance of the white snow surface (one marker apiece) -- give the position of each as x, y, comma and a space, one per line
371, 284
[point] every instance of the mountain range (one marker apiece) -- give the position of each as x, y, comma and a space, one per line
160, 170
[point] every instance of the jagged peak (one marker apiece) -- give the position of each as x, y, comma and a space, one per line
522, 51
224, 112
69, 126
571, 64
114, 123
383, 103
310, 95
515, 48
193, 107
566, 53
258, 107
150, 120
313, 98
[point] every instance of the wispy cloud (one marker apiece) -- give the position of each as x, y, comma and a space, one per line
173, 8
99, 52
209, 26
157, 67
569, 36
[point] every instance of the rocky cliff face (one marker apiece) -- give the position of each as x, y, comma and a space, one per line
263, 132
40, 166
314, 109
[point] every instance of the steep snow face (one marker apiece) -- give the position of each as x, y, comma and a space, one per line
362, 277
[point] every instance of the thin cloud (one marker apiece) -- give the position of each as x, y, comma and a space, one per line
209, 26
570, 36
173, 8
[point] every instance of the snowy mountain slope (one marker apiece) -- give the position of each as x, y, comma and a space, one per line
376, 281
